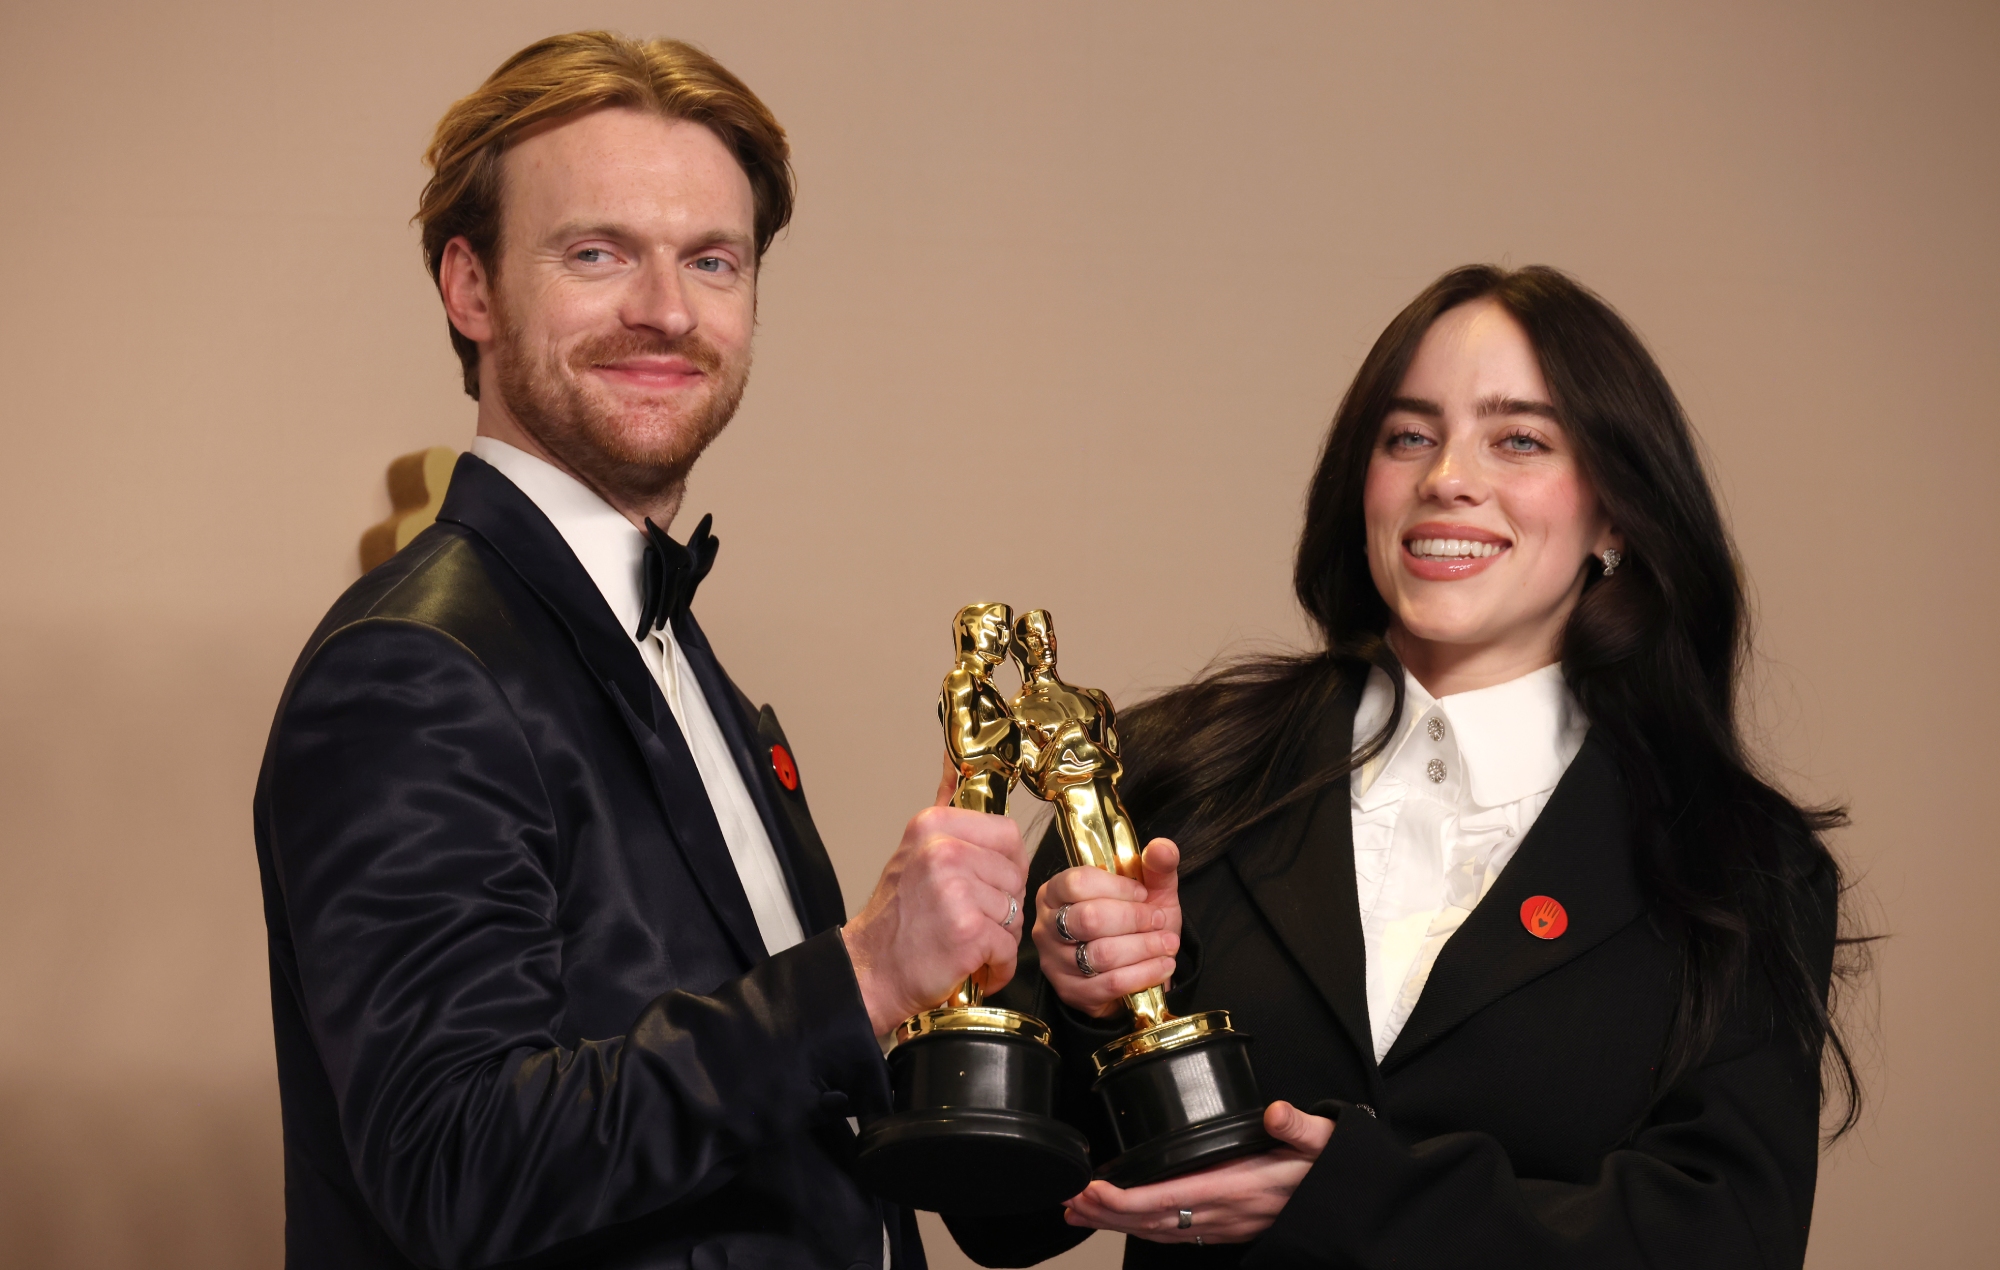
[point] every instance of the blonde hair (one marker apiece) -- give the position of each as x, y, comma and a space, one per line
567, 75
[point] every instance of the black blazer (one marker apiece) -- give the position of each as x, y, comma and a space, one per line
1514, 1122
522, 1007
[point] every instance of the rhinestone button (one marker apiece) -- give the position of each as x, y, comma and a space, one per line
1435, 770
1434, 728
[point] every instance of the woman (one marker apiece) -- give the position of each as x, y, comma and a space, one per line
1536, 962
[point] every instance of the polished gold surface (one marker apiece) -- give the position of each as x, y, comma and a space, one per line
982, 742
986, 1018
981, 738
1172, 1034
1069, 756
1060, 741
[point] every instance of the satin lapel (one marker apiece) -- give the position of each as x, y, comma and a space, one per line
824, 905
808, 872
1578, 853
490, 505
1300, 873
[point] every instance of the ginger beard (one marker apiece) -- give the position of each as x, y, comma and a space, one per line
632, 452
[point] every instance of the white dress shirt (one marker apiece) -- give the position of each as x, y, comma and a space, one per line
1439, 814
612, 551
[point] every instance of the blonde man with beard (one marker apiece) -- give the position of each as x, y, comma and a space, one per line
560, 968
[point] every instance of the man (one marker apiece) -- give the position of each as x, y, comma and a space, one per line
560, 969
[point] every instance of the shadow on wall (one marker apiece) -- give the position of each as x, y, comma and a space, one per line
154, 1173
417, 485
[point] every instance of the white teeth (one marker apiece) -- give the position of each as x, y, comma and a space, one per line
1452, 549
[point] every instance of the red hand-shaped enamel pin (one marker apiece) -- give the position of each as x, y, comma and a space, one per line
1544, 918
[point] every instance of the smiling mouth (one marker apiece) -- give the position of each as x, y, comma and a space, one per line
649, 368
1452, 548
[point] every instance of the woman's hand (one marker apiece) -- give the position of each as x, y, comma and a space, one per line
1133, 929
1232, 1203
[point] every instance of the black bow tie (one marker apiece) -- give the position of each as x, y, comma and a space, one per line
672, 572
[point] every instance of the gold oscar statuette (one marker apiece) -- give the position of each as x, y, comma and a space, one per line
972, 1127
1180, 1091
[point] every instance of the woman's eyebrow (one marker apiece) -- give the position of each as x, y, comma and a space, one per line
1497, 404
1416, 406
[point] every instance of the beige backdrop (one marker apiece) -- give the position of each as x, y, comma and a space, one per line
1104, 268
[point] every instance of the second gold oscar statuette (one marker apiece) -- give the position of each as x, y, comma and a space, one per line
1180, 1091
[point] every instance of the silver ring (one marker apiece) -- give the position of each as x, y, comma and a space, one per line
1013, 911
1197, 1241
1187, 1219
1062, 925
1083, 961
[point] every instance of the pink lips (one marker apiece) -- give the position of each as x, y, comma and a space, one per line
651, 373
1432, 570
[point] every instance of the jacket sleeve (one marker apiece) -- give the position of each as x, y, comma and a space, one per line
415, 845
1720, 1174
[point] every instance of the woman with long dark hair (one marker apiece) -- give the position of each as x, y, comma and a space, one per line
1536, 960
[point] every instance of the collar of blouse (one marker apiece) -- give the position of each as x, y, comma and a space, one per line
1512, 740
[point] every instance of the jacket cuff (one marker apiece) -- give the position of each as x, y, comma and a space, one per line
816, 980
1187, 969
1361, 1149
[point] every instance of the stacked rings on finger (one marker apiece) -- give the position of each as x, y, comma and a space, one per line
1062, 926
1083, 961
1013, 911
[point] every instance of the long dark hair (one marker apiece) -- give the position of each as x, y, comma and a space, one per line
1736, 872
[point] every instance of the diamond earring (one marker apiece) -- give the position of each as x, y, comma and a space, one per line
1612, 559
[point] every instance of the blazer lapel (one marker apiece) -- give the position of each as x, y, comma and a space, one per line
490, 505
818, 884
752, 735
1578, 852
1300, 873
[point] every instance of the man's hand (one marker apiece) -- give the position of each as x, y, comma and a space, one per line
936, 915
1231, 1203
1133, 929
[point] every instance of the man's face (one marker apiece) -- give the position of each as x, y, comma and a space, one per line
625, 296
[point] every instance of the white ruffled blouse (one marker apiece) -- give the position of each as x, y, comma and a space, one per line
1439, 814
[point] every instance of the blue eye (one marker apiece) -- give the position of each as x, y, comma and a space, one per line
592, 255
711, 264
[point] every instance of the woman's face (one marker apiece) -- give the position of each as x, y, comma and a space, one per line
1480, 521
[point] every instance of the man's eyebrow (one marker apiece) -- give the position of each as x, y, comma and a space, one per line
591, 229
572, 230
1417, 406
1498, 404
724, 238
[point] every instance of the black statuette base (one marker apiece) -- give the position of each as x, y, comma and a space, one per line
1195, 1147
972, 1131
1183, 1109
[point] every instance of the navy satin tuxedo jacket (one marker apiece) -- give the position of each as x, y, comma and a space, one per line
1516, 1121
523, 1011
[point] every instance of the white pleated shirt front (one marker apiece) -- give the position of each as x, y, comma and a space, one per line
1441, 811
